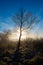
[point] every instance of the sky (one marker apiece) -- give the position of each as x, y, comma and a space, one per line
9, 7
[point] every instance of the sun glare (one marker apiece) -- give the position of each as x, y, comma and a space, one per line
14, 36
24, 34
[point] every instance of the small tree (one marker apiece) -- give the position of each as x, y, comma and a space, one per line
24, 20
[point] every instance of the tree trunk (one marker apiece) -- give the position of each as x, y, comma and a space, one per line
17, 54
18, 46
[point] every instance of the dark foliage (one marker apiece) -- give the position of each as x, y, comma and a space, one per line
30, 53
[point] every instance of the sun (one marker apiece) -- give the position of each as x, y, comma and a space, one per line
24, 34
14, 36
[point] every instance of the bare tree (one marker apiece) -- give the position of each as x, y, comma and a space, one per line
24, 20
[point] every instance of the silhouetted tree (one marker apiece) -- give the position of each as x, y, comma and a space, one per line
24, 20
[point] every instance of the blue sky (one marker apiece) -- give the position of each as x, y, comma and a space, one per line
9, 7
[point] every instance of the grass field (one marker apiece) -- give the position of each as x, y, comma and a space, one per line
30, 52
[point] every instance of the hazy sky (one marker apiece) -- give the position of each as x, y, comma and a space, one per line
10, 7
